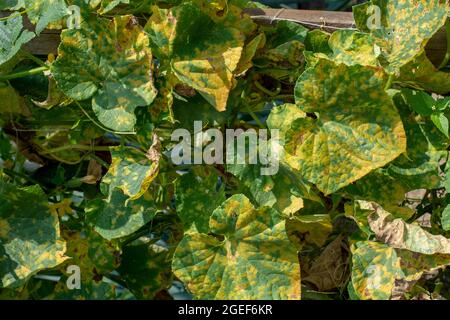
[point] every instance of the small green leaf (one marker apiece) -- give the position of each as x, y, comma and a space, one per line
419, 101
441, 122
117, 217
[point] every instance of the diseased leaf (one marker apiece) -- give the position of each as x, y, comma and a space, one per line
418, 19
353, 47
12, 102
378, 269
117, 217
421, 73
131, 171
375, 268
339, 147
317, 41
309, 229
198, 193
30, 239
254, 261
205, 62
398, 234
110, 62
381, 188
283, 191
330, 269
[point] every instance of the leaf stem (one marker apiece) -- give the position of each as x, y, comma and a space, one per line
447, 54
34, 59
23, 74
77, 146
389, 82
12, 16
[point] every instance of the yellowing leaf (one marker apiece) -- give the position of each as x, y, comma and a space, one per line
405, 27
206, 61
401, 235
30, 239
378, 269
254, 261
110, 62
117, 217
131, 171
352, 47
352, 132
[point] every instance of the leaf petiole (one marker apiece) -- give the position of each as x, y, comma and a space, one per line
23, 74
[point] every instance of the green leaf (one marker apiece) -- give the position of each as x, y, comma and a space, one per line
44, 12
12, 103
441, 122
254, 261
445, 219
8, 4
108, 5
30, 239
419, 20
197, 194
12, 38
354, 132
131, 171
146, 269
419, 101
118, 217
206, 61
419, 166
110, 62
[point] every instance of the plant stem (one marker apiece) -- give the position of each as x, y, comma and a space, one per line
255, 117
23, 74
447, 55
35, 59
390, 82
76, 146
12, 16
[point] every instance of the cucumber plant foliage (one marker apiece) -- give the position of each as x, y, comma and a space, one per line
94, 207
